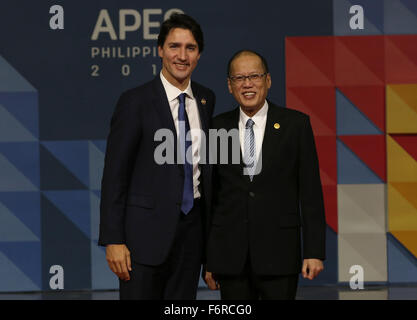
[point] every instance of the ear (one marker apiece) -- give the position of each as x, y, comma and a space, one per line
268, 80
160, 52
229, 85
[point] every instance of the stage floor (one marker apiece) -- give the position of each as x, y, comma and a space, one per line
303, 293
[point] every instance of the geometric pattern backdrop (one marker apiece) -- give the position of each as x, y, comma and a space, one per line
62, 180
55, 111
361, 95
358, 86
20, 223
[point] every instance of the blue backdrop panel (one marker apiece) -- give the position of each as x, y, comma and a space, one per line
373, 22
55, 176
401, 263
73, 155
65, 245
25, 158
350, 120
23, 106
400, 16
75, 104
351, 169
25, 257
25, 206
75, 205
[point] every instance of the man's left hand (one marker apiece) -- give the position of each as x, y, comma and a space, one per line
311, 268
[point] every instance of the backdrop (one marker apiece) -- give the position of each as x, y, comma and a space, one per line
63, 68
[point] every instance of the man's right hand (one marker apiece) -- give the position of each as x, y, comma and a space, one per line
118, 258
211, 281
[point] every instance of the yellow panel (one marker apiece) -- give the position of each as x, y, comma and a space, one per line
408, 239
408, 190
401, 167
407, 93
401, 106
402, 215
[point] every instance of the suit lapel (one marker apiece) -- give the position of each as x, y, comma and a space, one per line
161, 104
233, 123
272, 138
201, 109
160, 101
270, 143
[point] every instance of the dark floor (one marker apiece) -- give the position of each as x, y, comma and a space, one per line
304, 293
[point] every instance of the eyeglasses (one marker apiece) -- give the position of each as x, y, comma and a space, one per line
252, 77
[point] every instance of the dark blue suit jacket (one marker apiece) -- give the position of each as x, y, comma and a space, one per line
141, 200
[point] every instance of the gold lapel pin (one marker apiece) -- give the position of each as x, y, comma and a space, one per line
276, 125
203, 101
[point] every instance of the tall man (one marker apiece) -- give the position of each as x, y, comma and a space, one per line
261, 206
152, 215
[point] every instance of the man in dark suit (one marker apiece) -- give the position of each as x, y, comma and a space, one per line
152, 215
263, 205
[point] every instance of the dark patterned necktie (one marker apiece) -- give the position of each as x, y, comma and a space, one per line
250, 149
184, 128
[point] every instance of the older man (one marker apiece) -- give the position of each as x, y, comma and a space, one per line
263, 205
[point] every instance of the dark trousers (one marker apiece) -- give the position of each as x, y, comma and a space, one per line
249, 286
177, 278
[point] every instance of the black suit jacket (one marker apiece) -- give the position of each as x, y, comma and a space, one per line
141, 200
266, 217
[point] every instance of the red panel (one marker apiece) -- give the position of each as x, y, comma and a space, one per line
359, 60
370, 100
330, 206
371, 149
401, 59
309, 61
408, 142
326, 179
326, 149
319, 127
319, 104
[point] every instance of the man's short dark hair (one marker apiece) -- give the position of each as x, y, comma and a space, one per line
245, 51
183, 21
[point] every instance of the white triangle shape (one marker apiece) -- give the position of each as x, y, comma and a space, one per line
361, 208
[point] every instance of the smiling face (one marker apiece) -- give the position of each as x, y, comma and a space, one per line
180, 54
249, 94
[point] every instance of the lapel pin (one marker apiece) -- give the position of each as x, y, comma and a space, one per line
276, 125
203, 101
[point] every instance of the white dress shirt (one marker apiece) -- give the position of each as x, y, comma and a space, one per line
191, 108
259, 120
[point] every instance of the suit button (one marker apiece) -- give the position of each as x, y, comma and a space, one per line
252, 194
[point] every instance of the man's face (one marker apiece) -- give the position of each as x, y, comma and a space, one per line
250, 94
179, 55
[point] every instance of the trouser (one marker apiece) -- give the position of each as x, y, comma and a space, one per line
249, 286
177, 278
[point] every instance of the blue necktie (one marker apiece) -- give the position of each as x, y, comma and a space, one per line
184, 127
250, 154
